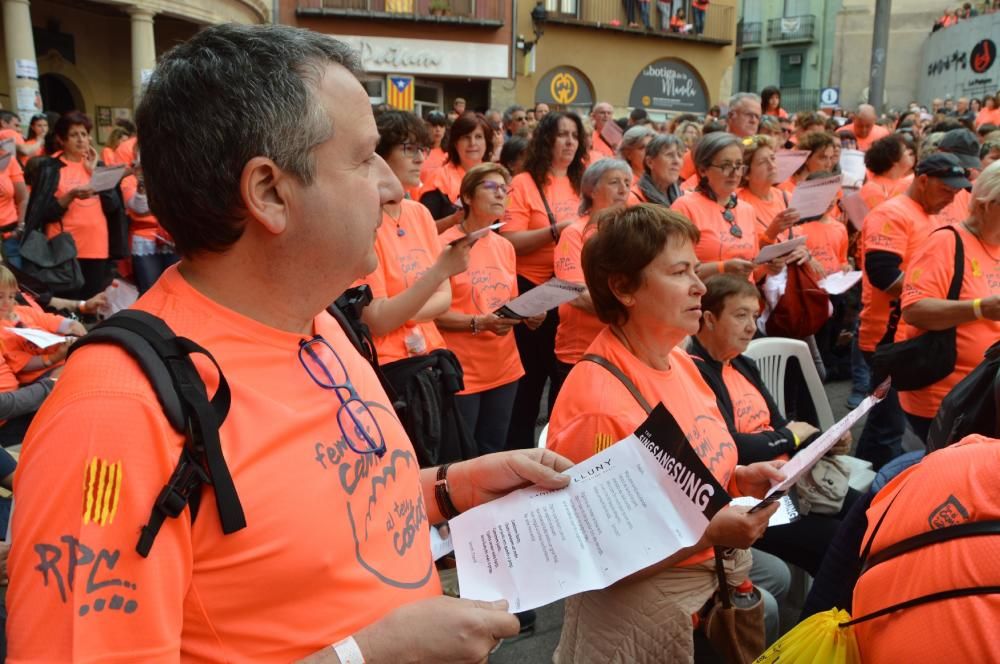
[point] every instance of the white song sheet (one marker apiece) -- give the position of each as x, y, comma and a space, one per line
852, 168
627, 507
7, 149
772, 251
40, 338
789, 161
812, 197
106, 177
836, 283
541, 298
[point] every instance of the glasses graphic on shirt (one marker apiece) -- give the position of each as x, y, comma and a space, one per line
357, 422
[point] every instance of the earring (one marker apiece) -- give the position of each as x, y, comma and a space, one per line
711, 326
627, 301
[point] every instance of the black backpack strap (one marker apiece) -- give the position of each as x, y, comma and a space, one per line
620, 375
924, 599
165, 359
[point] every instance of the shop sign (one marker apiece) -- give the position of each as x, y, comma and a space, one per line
564, 86
430, 56
669, 85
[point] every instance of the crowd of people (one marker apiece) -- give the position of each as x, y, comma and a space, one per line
423, 393
966, 10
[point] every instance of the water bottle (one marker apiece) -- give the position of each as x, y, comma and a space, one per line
745, 595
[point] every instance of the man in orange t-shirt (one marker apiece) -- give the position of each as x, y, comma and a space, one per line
600, 116
954, 486
892, 233
336, 542
864, 128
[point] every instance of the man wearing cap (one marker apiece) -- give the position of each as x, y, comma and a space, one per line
891, 234
965, 146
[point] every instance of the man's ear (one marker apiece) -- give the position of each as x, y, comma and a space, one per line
264, 190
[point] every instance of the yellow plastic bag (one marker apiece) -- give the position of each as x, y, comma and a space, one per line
819, 639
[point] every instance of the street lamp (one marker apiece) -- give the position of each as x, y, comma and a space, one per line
539, 15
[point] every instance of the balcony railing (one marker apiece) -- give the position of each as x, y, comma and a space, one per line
791, 28
794, 100
749, 34
484, 12
719, 28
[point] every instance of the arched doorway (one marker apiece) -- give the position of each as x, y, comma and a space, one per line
59, 94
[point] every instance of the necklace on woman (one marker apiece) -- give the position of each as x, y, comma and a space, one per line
982, 244
400, 232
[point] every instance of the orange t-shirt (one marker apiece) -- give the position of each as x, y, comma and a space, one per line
827, 241
334, 540
125, 152
8, 381
764, 212
488, 360
18, 351
402, 260
688, 170
898, 226
577, 328
84, 218
955, 212
877, 132
750, 411
877, 189
601, 147
929, 275
447, 179
23, 159
142, 225
988, 116
526, 212
8, 179
717, 242
594, 409
952, 486
435, 160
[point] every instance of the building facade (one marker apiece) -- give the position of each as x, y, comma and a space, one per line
788, 44
95, 55
583, 51
420, 54
961, 61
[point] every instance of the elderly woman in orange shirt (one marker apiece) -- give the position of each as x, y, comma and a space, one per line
726, 225
660, 180
774, 219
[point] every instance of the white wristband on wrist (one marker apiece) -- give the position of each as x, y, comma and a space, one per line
348, 651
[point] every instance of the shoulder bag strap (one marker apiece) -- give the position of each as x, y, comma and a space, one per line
548, 212
620, 375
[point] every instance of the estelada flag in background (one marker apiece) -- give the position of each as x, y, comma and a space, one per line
400, 92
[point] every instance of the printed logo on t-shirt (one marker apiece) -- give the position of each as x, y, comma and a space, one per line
378, 509
749, 415
102, 483
712, 442
949, 513
489, 289
413, 264
977, 270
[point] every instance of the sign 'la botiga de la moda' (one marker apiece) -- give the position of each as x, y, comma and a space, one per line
669, 85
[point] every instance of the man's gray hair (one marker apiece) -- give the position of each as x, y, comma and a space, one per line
633, 138
740, 97
593, 175
508, 113
229, 94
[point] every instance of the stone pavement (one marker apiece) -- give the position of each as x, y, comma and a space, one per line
538, 648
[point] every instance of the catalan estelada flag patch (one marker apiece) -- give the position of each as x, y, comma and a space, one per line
102, 484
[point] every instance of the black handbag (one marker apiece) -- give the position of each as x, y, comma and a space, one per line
52, 260
916, 363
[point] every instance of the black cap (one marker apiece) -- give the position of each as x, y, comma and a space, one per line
946, 168
963, 144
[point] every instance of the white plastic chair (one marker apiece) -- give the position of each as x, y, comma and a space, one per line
772, 354
543, 435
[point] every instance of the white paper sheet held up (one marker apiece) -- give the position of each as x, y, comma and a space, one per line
855, 208
779, 249
40, 338
836, 283
106, 177
440, 546
475, 235
786, 513
789, 161
7, 148
813, 197
627, 507
541, 298
807, 458
852, 168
